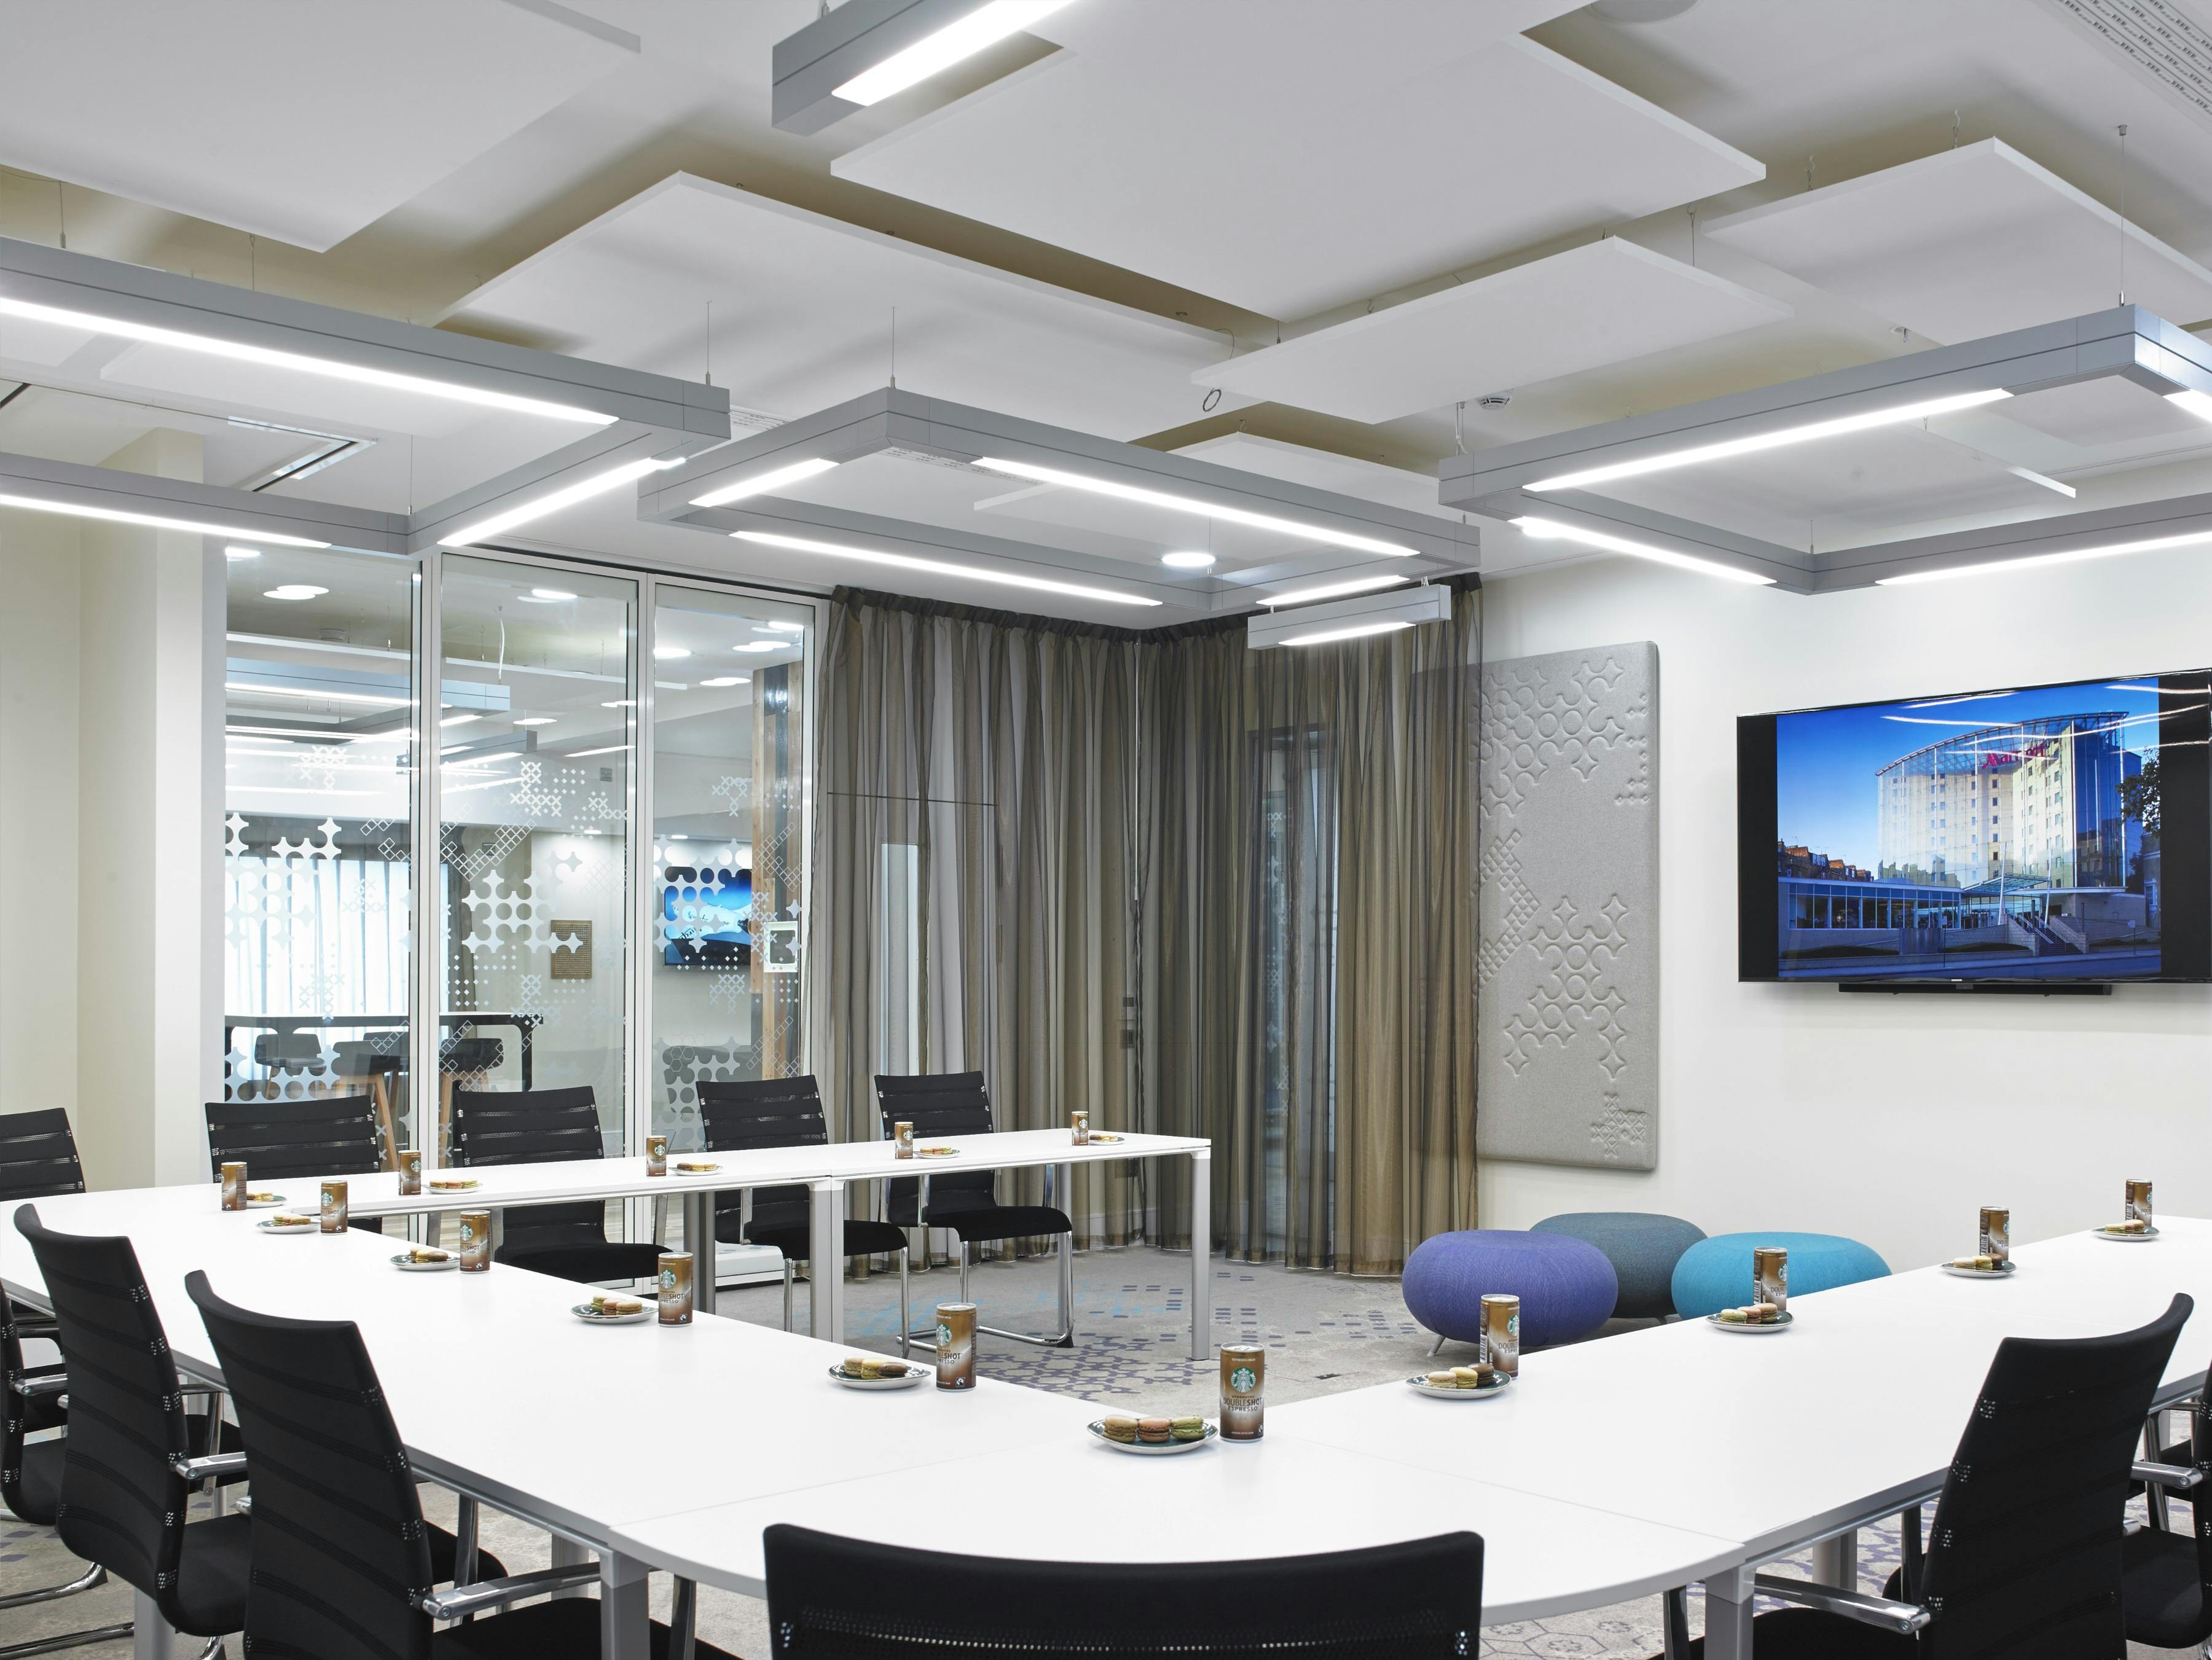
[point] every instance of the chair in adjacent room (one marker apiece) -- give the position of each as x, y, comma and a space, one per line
343, 1566
547, 1126
2025, 1555
834, 1598
966, 1202
293, 1140
785, 1112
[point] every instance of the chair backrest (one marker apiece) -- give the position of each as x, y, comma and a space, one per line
766, 1112
831, 1598
471, 1054
2024, 1552
339, 1545
279, 1140
534, 1126
940, 1104
17, 1417
288, 1051
37, 1156
123, 1507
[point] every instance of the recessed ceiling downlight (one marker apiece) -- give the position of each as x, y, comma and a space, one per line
295, 591
1188, 560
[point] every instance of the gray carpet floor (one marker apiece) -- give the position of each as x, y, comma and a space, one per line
1324, 1333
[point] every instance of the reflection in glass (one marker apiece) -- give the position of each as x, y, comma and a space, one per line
319, 695
536, 700
728, 847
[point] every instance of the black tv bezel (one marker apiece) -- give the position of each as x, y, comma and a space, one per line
2185, 814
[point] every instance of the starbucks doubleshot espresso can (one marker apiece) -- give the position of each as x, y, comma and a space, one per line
675, 1278
1995, 1239
1078, 1126
956, 1346
902, 1139
334, 1207
2138, 1205
476, 1241
1769, 1277
1244, 1391
1501, 1333
411, 1172
656, 1156
233, 1187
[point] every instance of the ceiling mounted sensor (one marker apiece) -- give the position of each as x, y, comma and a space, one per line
863, 51
1351, 619
1638, 11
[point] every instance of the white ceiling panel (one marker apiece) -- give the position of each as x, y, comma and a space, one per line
1291, 155
1969, 242
303, 123
1603, 303
803, 308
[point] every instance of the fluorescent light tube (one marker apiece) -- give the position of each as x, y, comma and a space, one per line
332, 697
1078, 481
1547, 529
597, 484
2072, 556
578, 755
941, 567
1348, 631
1768, 441
2196, 403
235, 553
722, 680
1332, 590
270, 358
152, 521
760, 483
985, 26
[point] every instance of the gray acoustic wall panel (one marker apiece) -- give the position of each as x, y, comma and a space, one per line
1569, 968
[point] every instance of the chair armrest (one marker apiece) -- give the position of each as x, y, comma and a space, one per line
1904, 1618
49, 1380
2176, 1478
458, 1600
214, 1464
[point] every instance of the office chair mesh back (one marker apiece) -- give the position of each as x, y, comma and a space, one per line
281, 1141
767, 1112
2023, 1557
535, 1127
832, 1598
122, 1506
37, 1156
340, 1548
938, 1104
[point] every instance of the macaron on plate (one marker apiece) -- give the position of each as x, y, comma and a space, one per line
1464, 1385
1964, 1268
406, 1262
592, 1316
452, 1184
938, 1152
289, 1225
2120, 1234
263, 1200
905, 1378
1752, 1328
693, 1167
1098, 1136
1154, 1438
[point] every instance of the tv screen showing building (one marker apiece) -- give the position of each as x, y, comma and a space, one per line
2002, 835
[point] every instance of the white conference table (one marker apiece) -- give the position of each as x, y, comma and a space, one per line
826, 1169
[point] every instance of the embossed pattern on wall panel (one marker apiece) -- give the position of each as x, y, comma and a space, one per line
1568, 963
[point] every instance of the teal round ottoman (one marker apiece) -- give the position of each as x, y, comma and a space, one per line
1643, 1248
1565, 1285
1715, 1274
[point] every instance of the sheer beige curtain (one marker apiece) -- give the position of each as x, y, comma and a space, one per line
1310, 941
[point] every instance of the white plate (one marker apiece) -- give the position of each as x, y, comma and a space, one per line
278, 1203
583, 1312
452, 1260
1421, 1385
2142, 1238
1097, 1136
937, 1153
1958, 1273
296, 1227
1781, 1324
915, 1375
1156, 1449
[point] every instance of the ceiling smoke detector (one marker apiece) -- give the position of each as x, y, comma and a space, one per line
1495, 400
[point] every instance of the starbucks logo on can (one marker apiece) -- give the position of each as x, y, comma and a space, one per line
668, 1278
1513, 1327
468, 1231
1243, 1380
944, 1336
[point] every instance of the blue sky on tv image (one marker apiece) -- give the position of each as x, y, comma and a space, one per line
710, 905
1995, 834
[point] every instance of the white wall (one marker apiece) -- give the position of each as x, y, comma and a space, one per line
1889, 1119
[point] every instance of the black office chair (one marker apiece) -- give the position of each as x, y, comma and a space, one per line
966, 1201
291, 1140
38, 1157
785, 1112
343, 1566
547, 1126
2024, 1558
831, 1598
2167, 1589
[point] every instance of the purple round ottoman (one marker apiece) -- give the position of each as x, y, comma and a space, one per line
1566, 1287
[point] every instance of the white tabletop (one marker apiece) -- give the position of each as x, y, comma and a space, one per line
1272, 1498
1774, 1440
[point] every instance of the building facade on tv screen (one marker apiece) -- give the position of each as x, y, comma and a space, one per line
2005, 835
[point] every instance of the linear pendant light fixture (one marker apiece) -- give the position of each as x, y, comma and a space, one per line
1551, 529
761, 484
863, 51
154, 521
597, 484
940, 567
2154, 544
1348, 631
986, 26
1331, 590
1322, 533
1755, 443
268, 357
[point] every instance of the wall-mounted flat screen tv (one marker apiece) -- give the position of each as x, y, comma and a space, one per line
2025, 835
703, 917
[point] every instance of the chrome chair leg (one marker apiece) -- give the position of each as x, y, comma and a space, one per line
213, 1651
787, 1293
1436, 1348
2154, 1495
91, 1579
684, 1620
75, 1639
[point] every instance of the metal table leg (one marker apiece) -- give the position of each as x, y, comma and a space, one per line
625, 1612
151, 1636
826, 1302
566, 1552
1201, 1254
699, 1240
1836, 1559
1728, 1616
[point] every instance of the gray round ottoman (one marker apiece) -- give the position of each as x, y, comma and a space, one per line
1643, 1249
